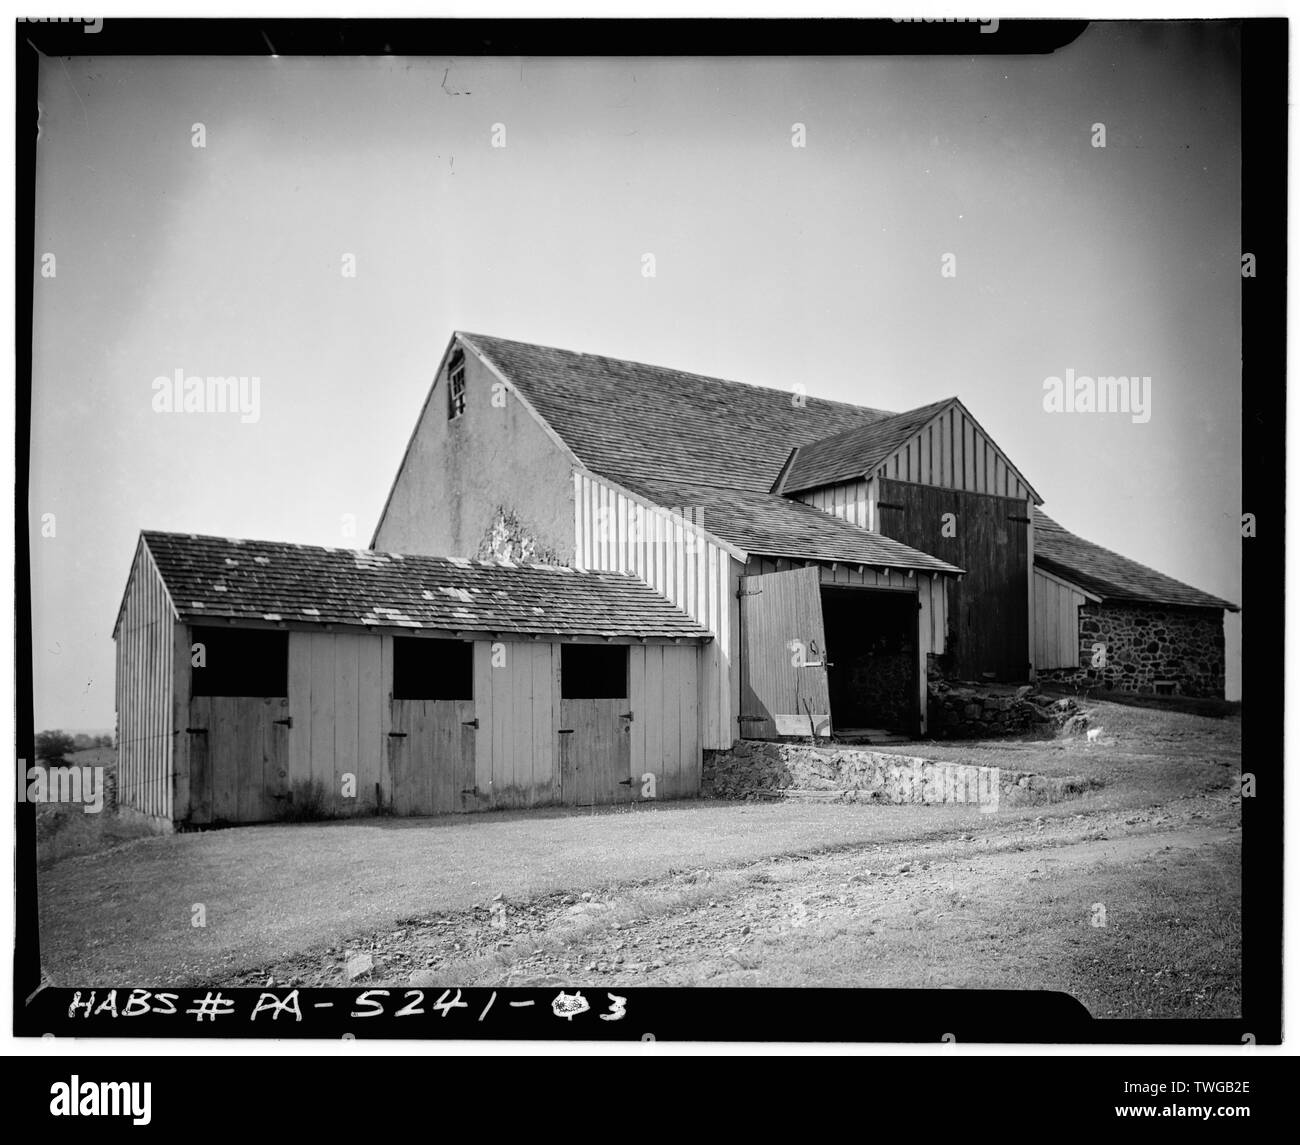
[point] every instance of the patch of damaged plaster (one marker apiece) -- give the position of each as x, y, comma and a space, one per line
510, 539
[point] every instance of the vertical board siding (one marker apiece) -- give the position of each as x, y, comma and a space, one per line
516, 749
950, 452
146, 644
339, 685
991, 620
849, 501
932, 600
617, 533
1056, 623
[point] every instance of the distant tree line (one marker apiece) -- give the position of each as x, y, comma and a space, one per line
55, 746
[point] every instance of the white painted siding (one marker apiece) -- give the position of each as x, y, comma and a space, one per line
931, 593
146, 641
618, 532
850, 501
1056, 622
338, 701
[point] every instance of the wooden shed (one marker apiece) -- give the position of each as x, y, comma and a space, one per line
254, 675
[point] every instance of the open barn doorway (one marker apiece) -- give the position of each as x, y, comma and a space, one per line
871, 646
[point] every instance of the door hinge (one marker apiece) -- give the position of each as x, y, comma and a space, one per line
197, 731
469, 723
748, 592
890, 505
396, 735
566, 731
625, 782
625, 716
287, 721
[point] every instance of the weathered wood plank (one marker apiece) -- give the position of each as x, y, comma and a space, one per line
543, 725
347, 668
322, 709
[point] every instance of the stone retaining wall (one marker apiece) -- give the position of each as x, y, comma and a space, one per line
972, 711
763, 769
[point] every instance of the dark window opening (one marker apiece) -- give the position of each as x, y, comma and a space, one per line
428, 669
456, 387
239, 662
593, 671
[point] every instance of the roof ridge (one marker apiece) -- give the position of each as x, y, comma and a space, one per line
672, 370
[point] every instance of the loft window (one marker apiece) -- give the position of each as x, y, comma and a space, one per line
240, 662
593, 671
429, 669
456, 387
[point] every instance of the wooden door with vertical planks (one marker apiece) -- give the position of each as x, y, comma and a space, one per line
784, 688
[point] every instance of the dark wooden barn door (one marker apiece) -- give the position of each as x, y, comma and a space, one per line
239, 758
783, 686
988, 621
431, 756
595, 752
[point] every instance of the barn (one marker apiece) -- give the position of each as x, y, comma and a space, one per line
1107, 621
252, 675
759, 563
842, 556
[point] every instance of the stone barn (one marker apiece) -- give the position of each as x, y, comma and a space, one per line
1105, 621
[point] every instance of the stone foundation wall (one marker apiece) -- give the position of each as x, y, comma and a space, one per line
971, 711
762, 769
1145, 643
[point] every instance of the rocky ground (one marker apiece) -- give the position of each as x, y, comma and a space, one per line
1001, 905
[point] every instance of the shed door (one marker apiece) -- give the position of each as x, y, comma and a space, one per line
239, 758
431, 756
595, 751
783, 687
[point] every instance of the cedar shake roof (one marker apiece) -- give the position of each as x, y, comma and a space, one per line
856, 452
634, 422
767, 524
1108, 574
219, 578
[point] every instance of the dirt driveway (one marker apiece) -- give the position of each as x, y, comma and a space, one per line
1127, 897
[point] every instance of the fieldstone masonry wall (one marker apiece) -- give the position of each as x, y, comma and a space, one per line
761, 769
1145, 643
974, 711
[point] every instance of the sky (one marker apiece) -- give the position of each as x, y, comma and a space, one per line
776, 265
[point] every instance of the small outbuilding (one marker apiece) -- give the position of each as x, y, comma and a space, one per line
253, 675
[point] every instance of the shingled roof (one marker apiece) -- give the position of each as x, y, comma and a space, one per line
766, 524
221, 578
856, 452
634, 422
1108, 574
